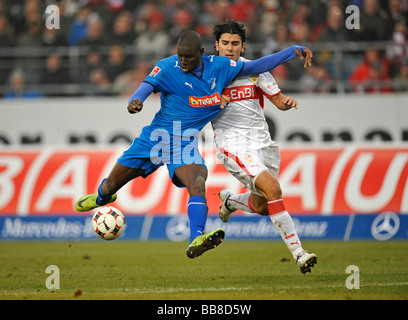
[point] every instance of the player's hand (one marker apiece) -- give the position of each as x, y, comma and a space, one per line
290, 102
307, 54
224, 101
135, 106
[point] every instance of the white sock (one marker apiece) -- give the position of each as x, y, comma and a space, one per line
241, 201
284, 223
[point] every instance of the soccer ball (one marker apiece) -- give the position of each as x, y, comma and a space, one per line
108, 223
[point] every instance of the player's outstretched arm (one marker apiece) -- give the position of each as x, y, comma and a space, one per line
271, 61
136, 99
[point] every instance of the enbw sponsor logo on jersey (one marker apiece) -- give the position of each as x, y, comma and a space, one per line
242, 93
206, 101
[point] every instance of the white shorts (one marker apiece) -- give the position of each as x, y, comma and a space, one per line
246, 165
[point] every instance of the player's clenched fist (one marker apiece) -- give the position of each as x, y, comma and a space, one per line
135, 106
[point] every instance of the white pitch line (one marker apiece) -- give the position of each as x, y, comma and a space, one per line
175, 290
391, 284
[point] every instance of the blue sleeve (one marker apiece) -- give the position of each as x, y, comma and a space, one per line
269, 62
144, 90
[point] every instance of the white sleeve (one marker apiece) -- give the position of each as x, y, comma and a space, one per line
268, 84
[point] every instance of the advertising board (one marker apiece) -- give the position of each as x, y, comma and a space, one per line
380, 227
314, 180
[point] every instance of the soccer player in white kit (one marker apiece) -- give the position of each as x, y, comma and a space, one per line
245, 147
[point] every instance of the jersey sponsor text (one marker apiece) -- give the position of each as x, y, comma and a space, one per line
206, 101
242, 93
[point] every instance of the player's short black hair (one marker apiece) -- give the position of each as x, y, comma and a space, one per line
190, 38
231, 26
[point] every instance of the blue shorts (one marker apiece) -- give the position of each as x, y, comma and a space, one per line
150, 155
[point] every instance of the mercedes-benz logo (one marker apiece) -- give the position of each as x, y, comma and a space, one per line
385, 226
178, 228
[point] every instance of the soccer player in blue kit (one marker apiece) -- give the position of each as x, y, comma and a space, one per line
190, 84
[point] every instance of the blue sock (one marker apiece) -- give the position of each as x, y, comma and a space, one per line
197, 213
102, 199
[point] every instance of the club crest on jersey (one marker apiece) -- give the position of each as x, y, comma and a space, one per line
248, 158
206, 101
155, 71
213, 83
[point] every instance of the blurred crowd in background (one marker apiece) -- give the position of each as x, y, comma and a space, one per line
107, 47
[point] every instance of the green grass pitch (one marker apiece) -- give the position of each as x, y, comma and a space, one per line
236, 270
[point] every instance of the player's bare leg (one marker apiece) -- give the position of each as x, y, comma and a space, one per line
118, 177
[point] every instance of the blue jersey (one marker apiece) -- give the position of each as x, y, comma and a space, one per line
187, 99
188, 103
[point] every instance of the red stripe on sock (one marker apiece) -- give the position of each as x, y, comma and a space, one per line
241, 203
276, 206
250, 205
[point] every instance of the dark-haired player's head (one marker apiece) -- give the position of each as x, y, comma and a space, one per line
232, 27
230, 39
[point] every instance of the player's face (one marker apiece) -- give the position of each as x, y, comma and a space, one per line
230, 45
190, 58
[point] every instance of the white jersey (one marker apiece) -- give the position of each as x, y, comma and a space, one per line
242, 123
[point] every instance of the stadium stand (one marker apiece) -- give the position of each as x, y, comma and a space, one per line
106, 47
